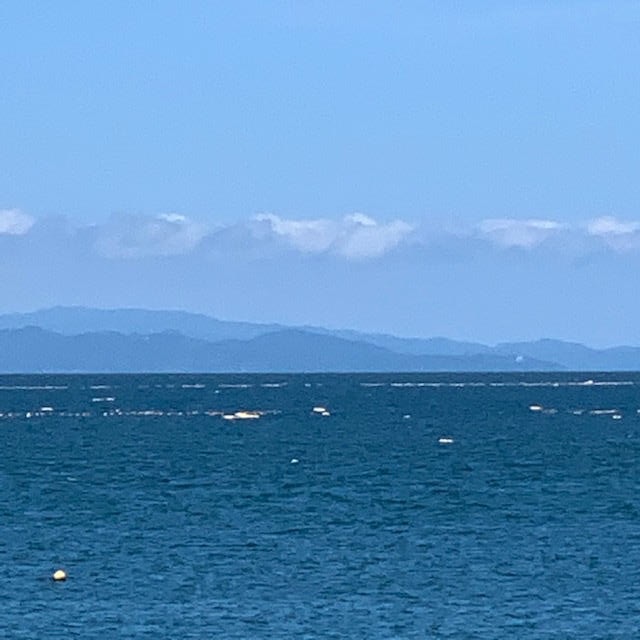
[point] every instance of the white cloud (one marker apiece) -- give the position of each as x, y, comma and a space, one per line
610, 226
14, 222
511, 232
355, 236
620, 235
365, 238
129, 236
173, 217
309, 236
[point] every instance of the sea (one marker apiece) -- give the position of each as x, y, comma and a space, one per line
499, 506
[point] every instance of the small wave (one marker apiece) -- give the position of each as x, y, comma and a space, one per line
419, 384
556, 384
24, 387
619, 383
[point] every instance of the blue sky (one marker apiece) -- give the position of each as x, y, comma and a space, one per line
424, 168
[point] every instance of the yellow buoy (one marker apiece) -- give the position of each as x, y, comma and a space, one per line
59, 575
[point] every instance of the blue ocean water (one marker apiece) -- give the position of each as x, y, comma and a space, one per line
173, 521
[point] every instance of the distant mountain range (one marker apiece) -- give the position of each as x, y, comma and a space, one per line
80, 339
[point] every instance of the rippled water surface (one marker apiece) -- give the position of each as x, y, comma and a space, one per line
426, 506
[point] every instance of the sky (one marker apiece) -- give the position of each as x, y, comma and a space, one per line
460, 169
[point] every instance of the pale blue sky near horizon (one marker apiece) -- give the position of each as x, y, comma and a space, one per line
422, 168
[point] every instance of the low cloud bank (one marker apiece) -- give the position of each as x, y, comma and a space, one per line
354, 237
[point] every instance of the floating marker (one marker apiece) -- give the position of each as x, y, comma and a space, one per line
59, 575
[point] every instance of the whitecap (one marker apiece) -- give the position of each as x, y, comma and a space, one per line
247, 415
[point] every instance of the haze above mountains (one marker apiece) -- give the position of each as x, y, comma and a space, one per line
80, 339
